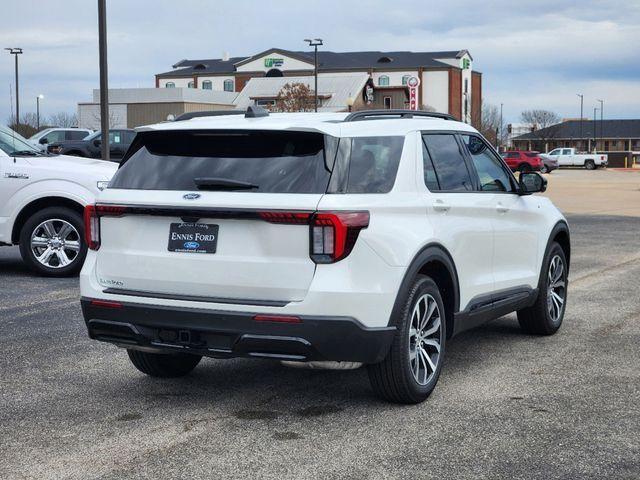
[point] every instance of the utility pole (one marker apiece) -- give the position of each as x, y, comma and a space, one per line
315, 43
38, 98
16, 51
601, 120
104, 84
595, 133
581, 114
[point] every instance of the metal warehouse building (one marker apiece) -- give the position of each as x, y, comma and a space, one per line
447, 81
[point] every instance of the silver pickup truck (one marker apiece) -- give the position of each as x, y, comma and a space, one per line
567, 157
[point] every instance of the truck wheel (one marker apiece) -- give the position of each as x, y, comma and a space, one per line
545, 316
410, 371
52, 242
164, 365
589, 165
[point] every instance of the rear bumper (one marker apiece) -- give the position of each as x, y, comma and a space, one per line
220, 334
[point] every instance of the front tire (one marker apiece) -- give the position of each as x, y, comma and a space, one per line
545, 316
410, 371
52, 242
164, 365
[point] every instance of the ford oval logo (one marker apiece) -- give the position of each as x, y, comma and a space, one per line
191, 196
191, 245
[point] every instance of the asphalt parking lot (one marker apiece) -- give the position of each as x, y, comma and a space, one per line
507, 405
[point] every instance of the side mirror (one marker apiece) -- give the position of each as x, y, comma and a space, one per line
531, 182
96, 142
43, 141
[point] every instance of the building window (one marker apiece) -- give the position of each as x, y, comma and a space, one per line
228, 85
266, 103
191, 84
466, 85
169, 85
387, 103
383, 81
206, 85
405, 79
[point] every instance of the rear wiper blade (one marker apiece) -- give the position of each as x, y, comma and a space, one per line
212, 183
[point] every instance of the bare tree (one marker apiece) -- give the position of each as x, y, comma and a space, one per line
295, 97
538, 119
490, 126
114, 119
63, 120
28, 124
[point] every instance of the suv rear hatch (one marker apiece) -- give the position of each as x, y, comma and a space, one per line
217, 216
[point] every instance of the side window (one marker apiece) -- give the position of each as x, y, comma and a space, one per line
493, 177
75, 134
448, 162
566, 151
373, 164
55, 136
555, 152
115, 137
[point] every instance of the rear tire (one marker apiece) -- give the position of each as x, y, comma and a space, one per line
590, 165
410, 371
545, 316
524, 168
544, 169
164, 365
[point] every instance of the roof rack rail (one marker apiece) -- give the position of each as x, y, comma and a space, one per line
381, 114
251, 112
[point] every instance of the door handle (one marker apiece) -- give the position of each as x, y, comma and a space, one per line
440, 206
501, 208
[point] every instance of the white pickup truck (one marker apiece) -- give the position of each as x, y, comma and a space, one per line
567, 157
42, 198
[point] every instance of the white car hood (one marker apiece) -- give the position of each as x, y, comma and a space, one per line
76, 165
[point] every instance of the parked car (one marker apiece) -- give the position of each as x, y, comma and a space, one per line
119, 142
549, 163
567, 157
42, 198
372, 237
41, 139
523, 161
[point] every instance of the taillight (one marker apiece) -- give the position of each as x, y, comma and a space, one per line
333, 234
92, 214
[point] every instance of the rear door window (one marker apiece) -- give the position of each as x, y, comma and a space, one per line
75, 134
448, 162
373, 164
272, 161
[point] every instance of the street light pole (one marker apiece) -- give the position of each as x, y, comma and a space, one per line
601, 119
499, 142
16, 51
595, 133
38, 98
581, 114
315, 43
104, 84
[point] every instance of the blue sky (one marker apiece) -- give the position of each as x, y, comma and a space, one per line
533, 54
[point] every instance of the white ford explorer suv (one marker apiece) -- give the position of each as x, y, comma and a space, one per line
370, 237
42, 198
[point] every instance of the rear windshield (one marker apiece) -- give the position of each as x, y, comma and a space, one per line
272, 162
531, 154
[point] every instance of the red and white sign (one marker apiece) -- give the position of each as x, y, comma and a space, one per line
413, 83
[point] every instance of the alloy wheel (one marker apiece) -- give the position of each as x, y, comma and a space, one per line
425, 339
556, 288
55, 243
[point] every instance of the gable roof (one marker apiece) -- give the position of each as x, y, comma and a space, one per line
571, 130
327, 61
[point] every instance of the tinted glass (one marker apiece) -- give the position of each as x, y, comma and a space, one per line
129, 136
448, 162
277, 162
75, 134
531, 154
373, 164
430, 178
55, 136
493, 177
566, 151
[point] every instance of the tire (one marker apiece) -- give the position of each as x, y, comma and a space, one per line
544, 169
545, 316
50, 238
164, 365
398, 378
524, 168
589, 165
